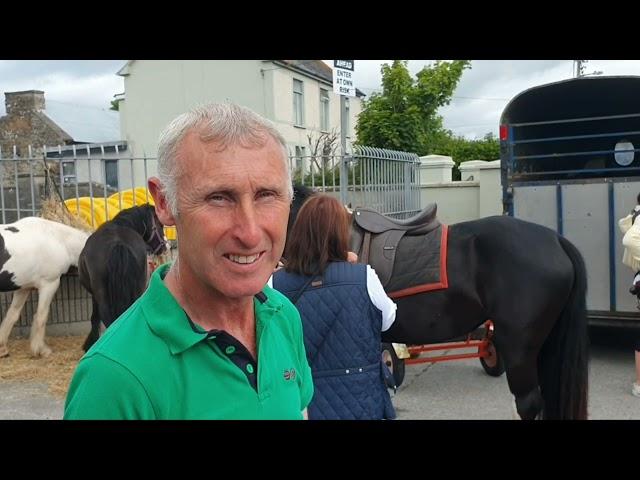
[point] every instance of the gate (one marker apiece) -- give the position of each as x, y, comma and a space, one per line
95, 180
384, 180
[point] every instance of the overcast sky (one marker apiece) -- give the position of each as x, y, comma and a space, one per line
485, 89
475, 109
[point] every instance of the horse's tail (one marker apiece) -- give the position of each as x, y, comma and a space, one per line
125, 282
564, 360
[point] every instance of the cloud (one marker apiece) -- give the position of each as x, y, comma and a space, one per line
485, 90
475, 109
90, 83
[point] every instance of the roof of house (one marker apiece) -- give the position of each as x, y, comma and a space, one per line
83, 123
316, 68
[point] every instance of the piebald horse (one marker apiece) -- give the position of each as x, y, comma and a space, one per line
34, 253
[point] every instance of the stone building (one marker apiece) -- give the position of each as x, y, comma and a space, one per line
29, 126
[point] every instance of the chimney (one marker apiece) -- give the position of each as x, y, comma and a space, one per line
21, 103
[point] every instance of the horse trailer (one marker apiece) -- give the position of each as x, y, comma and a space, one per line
568, 162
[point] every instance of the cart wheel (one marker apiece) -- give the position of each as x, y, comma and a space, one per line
492, 363
395, 364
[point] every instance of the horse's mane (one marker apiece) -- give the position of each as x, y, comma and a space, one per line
134, 217
301, 192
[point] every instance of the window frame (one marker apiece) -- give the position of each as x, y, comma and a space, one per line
325, 109
117, 173
298, 103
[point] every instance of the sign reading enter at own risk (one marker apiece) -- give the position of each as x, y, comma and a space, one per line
343, 78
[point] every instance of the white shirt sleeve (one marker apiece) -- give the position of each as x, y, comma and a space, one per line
270, 281
380, 299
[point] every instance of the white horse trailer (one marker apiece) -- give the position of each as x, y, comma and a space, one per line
569, 160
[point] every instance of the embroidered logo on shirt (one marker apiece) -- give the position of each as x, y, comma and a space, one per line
290, 374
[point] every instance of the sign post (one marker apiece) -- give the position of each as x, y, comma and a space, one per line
343, 85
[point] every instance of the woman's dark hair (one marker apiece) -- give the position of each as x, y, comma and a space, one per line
320, 234
638, 199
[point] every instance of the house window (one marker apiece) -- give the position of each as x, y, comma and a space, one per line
69, 172
298, 103
300, 158
347, 122
324, 110
111, 173
298, 165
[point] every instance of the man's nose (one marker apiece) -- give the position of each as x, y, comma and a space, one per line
247, 228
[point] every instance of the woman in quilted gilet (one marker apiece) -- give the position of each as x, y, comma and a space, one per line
343, 308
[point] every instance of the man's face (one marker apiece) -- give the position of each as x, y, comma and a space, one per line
233, 209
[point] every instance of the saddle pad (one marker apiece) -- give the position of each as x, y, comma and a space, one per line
420, 264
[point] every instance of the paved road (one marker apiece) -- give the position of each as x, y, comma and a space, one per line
449, 390
462, 390
28, 401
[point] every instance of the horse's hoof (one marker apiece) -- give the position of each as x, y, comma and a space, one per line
4, 352
43, 352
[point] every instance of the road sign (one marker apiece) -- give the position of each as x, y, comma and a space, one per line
343, 78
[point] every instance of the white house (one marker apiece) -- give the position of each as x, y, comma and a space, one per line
297, 95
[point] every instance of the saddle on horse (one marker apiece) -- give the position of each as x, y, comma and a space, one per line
421, 262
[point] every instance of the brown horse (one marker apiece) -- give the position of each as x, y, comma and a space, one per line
113, 263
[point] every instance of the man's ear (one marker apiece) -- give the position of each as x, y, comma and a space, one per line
162, 206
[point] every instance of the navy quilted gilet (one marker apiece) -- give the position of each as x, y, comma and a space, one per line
342, 338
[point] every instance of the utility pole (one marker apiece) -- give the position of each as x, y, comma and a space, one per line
580, 65
343, 85
344, 172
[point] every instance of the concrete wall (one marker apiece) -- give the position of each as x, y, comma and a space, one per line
156, 91
459, 201
69, 313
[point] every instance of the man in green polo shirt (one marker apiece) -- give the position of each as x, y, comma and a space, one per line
208, 339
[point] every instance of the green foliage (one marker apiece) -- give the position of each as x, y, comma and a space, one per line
331, 176
404, 116
462, 150
115, 105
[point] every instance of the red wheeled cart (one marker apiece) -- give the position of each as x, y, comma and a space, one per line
396, 355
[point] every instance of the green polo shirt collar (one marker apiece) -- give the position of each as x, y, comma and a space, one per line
168, 320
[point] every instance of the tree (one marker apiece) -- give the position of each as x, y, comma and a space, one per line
115, 105
323, 147
322, 159
404, 116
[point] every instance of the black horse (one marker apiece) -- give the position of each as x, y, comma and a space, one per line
113, 263
531, 282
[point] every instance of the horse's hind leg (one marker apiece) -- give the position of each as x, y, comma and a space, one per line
45, 296
12, 316
94, 334
522, 376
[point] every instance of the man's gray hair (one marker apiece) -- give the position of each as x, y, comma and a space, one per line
225, 124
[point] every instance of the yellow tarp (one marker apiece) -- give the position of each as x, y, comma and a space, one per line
107, 210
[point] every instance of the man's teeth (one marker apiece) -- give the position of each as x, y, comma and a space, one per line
243, 258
